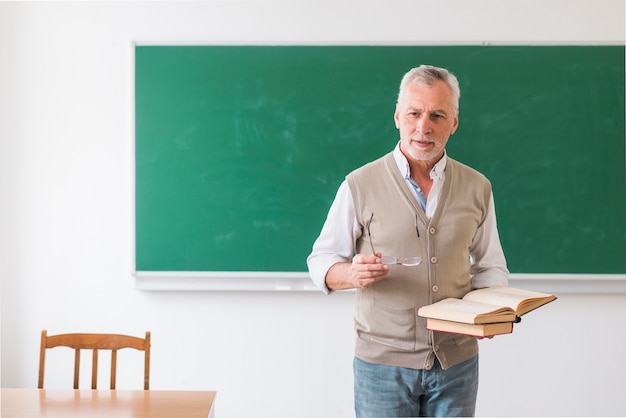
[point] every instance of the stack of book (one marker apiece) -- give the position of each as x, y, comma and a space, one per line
483, 312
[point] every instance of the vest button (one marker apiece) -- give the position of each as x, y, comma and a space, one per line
432, 231
435, 288
433, 260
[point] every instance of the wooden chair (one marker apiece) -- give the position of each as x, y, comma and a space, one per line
95, 342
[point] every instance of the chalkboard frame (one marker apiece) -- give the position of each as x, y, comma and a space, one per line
276, 280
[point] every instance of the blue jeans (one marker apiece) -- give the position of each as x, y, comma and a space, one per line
387, 391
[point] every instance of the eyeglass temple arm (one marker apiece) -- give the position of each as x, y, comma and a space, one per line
369, 234
421, 245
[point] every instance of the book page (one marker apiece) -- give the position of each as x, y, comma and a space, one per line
520, 300
467, 311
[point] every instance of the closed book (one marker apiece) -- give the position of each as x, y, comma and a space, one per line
477, 330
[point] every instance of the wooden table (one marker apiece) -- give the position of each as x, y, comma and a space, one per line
59, 403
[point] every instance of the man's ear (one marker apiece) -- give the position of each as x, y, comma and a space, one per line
455, 125
396, 117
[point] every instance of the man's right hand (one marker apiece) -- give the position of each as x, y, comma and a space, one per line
363, 271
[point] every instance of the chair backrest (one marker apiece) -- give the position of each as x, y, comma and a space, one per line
95, 342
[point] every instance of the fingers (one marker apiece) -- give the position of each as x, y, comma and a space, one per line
366, 259
367, 270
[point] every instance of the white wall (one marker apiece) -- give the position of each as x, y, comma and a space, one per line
66, 222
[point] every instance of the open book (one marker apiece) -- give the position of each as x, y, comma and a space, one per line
479, 310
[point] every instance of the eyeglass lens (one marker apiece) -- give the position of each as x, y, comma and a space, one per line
409, 261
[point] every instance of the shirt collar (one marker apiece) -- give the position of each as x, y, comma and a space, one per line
437, 172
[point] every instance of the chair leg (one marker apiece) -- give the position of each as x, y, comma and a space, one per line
113, 367
94, 370
42, 358
146, 347
76, 367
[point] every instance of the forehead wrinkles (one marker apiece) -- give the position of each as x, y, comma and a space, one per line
434, 110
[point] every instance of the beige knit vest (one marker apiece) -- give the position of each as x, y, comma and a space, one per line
388, 328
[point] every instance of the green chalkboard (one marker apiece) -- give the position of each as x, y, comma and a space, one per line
240, 149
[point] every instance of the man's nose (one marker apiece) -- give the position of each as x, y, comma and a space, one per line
423, 125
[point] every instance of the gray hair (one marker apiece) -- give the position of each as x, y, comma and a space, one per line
428, 74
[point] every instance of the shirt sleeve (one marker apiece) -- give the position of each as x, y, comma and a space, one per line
488, 262
336, 242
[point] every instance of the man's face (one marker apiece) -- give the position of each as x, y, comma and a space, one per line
426, 117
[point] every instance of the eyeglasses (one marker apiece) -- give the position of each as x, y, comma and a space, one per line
387, 259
